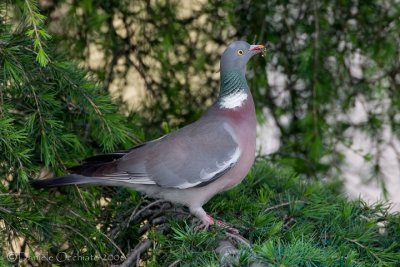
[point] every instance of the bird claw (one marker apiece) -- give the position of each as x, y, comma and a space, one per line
201, 227
208, 221
205, 223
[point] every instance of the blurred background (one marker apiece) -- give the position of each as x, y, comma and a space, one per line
327, 92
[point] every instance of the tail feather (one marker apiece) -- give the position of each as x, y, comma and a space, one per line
103, 158
62, 180
92, 171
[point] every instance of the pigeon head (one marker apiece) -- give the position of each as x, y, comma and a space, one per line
237, 54
233, 86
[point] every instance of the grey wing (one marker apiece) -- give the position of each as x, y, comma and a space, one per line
192, 156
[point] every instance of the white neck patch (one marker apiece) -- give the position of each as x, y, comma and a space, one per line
234, 100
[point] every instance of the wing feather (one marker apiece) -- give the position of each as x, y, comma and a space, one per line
190, 157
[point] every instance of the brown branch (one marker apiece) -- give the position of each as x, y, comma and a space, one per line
134, 256
175, 263
137, 214
228, 251
315, 109
283, 205
363, 247
134, 212
5, 210
240, 239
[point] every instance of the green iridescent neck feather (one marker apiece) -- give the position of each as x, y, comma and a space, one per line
232, 82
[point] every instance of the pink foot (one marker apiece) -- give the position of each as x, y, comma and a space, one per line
208, 220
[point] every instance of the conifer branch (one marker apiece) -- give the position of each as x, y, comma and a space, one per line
363, 247
35, 19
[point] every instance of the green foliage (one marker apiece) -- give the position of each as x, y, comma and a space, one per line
51, 116
290, 221
34, 22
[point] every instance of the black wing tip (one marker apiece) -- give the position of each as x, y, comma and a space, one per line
58, 181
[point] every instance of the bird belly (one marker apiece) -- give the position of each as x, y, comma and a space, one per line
240, 170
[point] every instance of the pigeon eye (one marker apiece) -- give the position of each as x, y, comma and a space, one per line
240, 52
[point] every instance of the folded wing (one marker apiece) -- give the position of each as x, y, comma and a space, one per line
192, 156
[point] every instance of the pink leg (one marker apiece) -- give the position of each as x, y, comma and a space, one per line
207, 220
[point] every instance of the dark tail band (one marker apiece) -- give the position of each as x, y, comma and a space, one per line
62, 180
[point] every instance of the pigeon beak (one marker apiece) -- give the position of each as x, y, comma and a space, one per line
257, 48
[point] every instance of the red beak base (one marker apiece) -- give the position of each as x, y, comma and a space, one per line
257, 48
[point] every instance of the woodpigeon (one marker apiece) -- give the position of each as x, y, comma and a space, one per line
191, 165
